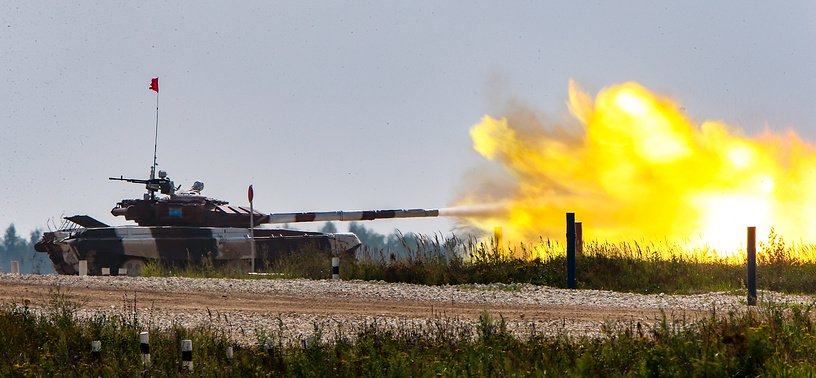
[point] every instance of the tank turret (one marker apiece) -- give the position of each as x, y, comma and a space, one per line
180, 208
190, 208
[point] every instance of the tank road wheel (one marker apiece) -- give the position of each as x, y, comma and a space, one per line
134, 267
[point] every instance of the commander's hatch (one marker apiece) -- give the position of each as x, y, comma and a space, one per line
86, 221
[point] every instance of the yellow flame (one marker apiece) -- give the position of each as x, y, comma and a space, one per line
640, 168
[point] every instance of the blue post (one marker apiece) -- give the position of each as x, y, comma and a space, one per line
572, 283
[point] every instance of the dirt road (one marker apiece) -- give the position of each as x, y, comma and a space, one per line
94, 297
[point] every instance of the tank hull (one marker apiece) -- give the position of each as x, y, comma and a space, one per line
112, 247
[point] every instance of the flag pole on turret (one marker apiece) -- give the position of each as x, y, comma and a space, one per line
154, 86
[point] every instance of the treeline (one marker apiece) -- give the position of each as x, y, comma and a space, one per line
14, 247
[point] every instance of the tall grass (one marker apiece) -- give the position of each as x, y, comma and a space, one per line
636, 266
207, 267
620, 267
774, 340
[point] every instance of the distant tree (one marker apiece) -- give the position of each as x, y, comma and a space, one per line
34, 236
15, 248
395, 243
11, 241
329, 228
38, 262
369, 238
400, 244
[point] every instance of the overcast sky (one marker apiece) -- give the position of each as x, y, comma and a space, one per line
351, 105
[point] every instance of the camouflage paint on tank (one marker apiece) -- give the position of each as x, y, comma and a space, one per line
110, 247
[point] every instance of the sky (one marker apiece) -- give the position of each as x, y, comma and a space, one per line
351, 105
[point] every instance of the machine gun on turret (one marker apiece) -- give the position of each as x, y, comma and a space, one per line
162, 184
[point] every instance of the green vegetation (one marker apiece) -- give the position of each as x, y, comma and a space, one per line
204, 268
776, 340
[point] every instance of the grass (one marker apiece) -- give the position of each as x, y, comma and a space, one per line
771, 340
207, 267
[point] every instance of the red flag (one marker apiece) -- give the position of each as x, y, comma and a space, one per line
154, 84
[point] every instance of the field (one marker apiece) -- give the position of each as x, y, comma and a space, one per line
495, 315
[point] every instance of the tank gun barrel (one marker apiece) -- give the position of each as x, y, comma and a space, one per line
354, 215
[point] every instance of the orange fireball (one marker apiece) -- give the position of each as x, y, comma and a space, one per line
635, 166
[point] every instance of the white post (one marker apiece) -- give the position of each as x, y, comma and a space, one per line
187, 354
270, 346
144, 346
335, 268
106, 271
123, 271
15, 267
307, 342
83, 268
229, 352
96, 349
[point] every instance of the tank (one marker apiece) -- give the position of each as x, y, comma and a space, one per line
179, 226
